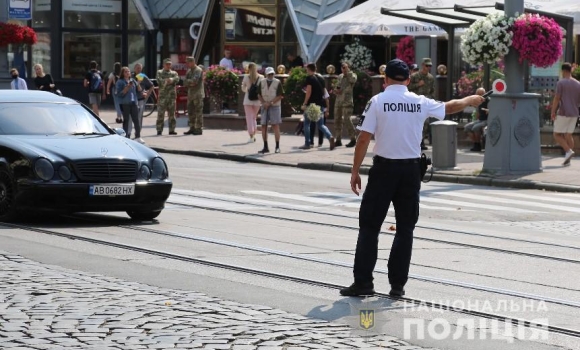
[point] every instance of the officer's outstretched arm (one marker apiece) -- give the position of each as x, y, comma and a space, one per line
456, 106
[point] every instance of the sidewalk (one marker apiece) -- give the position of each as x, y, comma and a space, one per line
233, 145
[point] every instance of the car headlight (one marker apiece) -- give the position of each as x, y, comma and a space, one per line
44, 169
158, 169
64, 173
144, 173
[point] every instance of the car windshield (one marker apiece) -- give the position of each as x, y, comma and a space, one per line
47, 119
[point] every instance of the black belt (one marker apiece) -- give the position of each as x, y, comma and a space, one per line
381, 160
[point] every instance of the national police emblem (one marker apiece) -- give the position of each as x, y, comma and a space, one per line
367, 319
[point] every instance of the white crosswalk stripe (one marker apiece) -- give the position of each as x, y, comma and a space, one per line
435, 199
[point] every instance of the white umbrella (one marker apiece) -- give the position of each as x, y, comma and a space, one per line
366, 19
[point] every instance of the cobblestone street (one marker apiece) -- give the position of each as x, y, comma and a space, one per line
48, 307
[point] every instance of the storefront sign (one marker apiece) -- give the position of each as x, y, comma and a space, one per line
257, 26
422, 29
20, 9
42, 5
230, 23
92, 6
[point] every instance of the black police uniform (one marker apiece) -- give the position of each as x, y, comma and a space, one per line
396, 118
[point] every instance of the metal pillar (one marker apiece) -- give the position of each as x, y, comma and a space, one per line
4, 50
513, 131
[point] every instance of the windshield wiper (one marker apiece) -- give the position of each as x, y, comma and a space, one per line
88, 133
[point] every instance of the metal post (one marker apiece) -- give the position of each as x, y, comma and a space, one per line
4, 50
514, 71
512, 143
450, 61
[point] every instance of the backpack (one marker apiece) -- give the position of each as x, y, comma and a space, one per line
253, 91
96, 83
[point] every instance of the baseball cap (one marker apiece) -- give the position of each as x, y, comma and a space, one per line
397, 70
190, 59
414, 67
270, 70
427, 62
167, 60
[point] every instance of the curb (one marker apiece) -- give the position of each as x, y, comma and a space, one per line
343, 168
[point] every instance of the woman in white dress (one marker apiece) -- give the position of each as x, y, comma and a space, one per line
251, 107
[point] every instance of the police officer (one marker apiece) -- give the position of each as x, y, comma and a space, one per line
344, 105
195, 95
395, 117
423, 83
167, 80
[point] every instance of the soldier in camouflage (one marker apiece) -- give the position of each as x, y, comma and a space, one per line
423, 83
167, 80
195, 94
344, 105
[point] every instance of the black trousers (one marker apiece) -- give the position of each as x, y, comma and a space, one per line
399, 183
132, 111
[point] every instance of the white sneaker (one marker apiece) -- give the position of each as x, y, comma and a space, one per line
140, 140
568, 157
251, 140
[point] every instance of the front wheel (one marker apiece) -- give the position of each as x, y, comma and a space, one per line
150, 105
143, 215
7, 211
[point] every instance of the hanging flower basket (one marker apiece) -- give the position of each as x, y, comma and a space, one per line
406, 50
11, 33
487, 40
537, 39
359, 56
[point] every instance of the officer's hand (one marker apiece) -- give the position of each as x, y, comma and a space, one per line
421, 83
476, 100
355, 183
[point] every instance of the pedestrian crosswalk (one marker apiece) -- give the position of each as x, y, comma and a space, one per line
440, 199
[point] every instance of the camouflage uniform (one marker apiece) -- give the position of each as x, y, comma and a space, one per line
195, 94
427, 90
167, 96
344, 105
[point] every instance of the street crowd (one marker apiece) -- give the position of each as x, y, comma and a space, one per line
263, 95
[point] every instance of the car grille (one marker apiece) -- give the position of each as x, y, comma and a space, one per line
107, 171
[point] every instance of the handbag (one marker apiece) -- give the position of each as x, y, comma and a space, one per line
253, 91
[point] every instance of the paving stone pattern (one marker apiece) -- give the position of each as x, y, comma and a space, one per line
49, 307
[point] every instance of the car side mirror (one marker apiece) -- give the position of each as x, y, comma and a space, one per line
120, 132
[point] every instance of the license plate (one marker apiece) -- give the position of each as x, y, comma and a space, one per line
111, 190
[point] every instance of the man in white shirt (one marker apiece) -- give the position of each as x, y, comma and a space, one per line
395, 117
17, 83
227, 62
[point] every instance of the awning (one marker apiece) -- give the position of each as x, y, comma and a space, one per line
366, 18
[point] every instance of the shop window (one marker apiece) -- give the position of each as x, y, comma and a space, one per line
82, 48
242, 55
41, 16
286, 28
85, 14
136, 49
250, 23
135, 20
41, 52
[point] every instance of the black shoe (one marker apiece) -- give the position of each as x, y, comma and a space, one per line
356, 290
397, 291
352, 143
188, 132
172, 133
476, 147
197, 132
159, 133
264, 150
338, 143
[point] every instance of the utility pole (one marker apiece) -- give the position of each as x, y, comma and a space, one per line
512, 143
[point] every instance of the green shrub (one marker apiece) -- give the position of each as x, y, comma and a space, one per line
293, 85
576, 73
